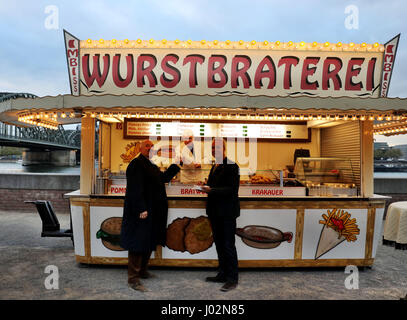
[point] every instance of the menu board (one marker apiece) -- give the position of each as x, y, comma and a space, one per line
238, 130
170, 129
133, 129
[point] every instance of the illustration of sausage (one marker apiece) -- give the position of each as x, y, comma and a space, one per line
263, 237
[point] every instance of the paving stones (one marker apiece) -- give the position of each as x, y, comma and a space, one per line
24, 255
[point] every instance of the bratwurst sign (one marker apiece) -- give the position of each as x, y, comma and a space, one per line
120, 67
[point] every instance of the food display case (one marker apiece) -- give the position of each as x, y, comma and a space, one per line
327, 176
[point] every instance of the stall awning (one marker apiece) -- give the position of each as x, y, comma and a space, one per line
219, 101
74, 107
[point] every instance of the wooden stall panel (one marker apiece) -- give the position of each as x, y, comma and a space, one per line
263, 234
342, 237
189, 235
378, 228
266, 234
77, 223
105, 224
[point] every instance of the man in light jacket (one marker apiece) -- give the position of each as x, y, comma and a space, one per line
191, 167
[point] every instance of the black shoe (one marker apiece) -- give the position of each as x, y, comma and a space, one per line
229, 286
137, 286
218, 279
147, 275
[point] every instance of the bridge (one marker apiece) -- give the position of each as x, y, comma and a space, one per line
36, 137
39, 138
44, 145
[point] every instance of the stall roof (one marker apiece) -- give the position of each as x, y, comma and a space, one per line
109, 101
11, 109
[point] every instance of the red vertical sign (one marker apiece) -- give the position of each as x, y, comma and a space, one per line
72, 59
390, 49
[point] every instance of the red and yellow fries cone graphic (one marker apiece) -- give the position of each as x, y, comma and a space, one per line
338, 227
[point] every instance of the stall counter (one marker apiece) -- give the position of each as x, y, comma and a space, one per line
271, 232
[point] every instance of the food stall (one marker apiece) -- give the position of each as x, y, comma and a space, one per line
298, 119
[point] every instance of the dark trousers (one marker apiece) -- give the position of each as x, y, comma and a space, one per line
137, 265
224, 237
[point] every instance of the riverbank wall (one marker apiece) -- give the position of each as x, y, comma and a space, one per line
396, 188
15, 188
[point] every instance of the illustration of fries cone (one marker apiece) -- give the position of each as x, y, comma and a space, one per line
338, 227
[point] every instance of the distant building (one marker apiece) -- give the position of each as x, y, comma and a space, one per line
403, 149
381, 145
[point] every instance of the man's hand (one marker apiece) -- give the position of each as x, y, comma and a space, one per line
197, 165
206, 189
143, 215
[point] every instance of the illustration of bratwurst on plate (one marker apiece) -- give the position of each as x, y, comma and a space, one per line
109, 233
263, 237
193, 235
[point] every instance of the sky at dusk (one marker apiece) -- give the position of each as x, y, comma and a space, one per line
32, 57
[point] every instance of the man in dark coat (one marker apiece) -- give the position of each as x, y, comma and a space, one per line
145, 213
223, 208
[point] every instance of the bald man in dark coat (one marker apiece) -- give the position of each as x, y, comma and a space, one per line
145, 213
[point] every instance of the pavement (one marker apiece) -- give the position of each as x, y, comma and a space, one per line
25, 256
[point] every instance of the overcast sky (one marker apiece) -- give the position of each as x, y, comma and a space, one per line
32, 57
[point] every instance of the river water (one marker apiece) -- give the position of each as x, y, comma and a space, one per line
14, 167
10, 167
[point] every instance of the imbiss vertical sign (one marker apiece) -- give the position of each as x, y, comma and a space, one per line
73, 62
390, 49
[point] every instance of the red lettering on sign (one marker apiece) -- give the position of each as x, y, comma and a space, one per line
115, 190
288, 62
193, 60
240, 73
96, 74
315, 73
171, 70
388, 58
73, 62
387, 67
267, 192
353, 72
261, 73
148, 72
219, 70
328, 74
309, 71
117, 78
73, 53
370, 74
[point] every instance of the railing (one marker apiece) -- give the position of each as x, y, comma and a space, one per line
60, 137
13, 95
